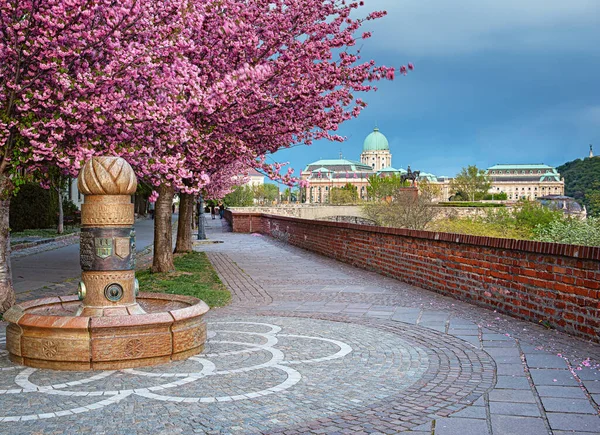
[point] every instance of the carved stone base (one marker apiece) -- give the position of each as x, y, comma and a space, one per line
47, 333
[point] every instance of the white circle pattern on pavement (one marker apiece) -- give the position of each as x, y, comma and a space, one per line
207, 368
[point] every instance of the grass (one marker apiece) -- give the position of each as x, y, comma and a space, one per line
193, 276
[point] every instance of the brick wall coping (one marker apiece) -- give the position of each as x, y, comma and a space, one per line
545, 248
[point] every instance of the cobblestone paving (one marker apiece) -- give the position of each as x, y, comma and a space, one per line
244, 290
546, 382
258, 373
313, 346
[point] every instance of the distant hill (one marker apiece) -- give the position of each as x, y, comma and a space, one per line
581, 177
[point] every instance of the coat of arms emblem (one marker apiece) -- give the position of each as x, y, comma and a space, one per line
104, 247
122, 246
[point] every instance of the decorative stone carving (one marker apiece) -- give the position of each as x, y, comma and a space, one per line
49, 348
107, 176
134, 348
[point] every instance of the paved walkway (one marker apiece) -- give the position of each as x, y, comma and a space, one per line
310, 345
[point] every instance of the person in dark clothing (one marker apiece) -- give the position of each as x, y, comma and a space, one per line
221, 210
212, 211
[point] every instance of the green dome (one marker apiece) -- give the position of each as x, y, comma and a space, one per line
376, 142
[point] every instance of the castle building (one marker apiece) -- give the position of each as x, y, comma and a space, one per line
518, 181
376, 151
525, 181
324, 175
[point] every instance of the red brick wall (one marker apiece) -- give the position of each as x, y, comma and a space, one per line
535, 281
244, 222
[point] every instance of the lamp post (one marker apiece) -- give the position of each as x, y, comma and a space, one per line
201, 222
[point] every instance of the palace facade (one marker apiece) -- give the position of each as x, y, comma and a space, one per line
525, 181
324, 175
518, 181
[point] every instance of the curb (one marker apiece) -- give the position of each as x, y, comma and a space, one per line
21, 246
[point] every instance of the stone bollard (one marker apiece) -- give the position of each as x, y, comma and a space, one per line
108, 286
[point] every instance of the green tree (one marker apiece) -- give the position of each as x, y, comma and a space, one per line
242, 196
582, 180
384, 187
592, 199
287, 194
405, 210
265, 193
347, 194
531, 214
471, 183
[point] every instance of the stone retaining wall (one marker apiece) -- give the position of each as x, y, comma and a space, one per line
555, 284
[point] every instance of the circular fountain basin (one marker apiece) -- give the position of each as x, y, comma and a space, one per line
47, 333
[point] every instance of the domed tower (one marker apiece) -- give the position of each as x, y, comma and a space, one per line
376, 151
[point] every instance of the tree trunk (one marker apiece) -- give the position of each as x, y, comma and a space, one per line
163, 234
184, 226
61, 215
7, 293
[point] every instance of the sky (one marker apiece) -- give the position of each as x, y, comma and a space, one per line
495, 81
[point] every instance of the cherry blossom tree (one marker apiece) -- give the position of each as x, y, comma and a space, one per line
182, 89
83, 77
277, 74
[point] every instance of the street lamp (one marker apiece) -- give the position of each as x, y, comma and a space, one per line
201, 222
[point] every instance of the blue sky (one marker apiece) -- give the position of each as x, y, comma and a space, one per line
495, 81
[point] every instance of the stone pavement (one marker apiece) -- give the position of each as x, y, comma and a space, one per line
310, 345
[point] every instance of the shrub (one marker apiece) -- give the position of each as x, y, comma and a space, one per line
33, 207
570, 231
479, 227
468, 204
531, 214
404, 210
501, 196
72, 215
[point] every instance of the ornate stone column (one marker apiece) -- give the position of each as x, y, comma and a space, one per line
108, 286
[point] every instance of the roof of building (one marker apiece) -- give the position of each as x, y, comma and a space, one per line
338, 165
550, 176
529, 178
329, 176
520, 166
254, 173
376, 141
389, 169
427, 176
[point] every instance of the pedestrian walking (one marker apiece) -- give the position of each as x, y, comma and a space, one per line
221, 210
212, 211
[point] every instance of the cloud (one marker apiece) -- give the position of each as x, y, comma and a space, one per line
442, 27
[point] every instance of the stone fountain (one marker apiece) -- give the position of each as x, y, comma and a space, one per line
108, 325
